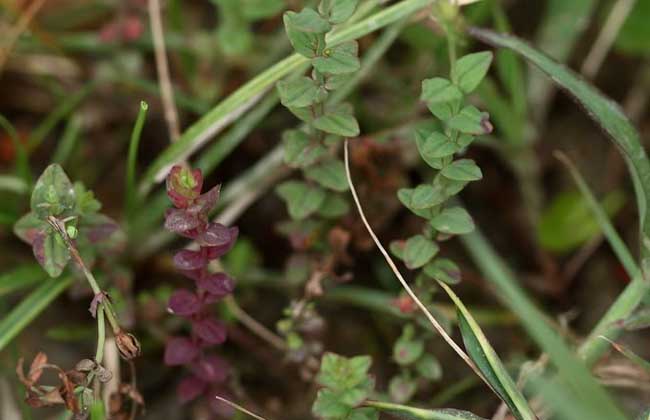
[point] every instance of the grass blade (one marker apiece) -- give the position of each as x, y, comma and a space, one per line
20, 278
413, 413
617, 244
130, 198
68, 141
22, 160
487, 360
629, 354
247, 95
603, 110
570, 369
30, 307
609, 116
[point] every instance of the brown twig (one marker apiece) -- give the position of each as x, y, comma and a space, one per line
434, 322
18, 29
162, 67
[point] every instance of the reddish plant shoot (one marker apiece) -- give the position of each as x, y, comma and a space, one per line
190, 218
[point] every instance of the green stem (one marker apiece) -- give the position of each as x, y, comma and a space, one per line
101, 335
593, 347
570, 370
132, 158
247, 95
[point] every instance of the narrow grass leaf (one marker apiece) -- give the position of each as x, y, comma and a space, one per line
414, 413
629, 354
600, 214
487, 360
20, 278
603, 110
30, 307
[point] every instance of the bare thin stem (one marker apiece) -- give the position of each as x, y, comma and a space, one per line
162, 67
254, 326
19, 28
606, 38
239, 407
434, 322
59, 226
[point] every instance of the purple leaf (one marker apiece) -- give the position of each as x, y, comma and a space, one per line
184, 303
29, 226
210, 330
180, 351
218, 285
215, 235
215, 252
212, 369
98, 227
180, 220
38, 246
189, 388
189, 260
205, 203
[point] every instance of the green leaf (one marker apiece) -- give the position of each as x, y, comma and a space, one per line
433, 146
486, 359
407, 349
425, 196
601, 216
402, 388
405, 196
297, 93
334, 206
574, 380
604, 111
337, 11
438, 91
328, 405
444, 270
568, 221
342, 373
429, 367
299, 150
28, 226
463, 170
302, 200
53, 193
413, 413
51, 253
470, 70
86, 203
339, 121
340, 59
308, 20
418, 251
364, 413
448, 187
330, 174
453, 221
30, 307
307, 44
471, 121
